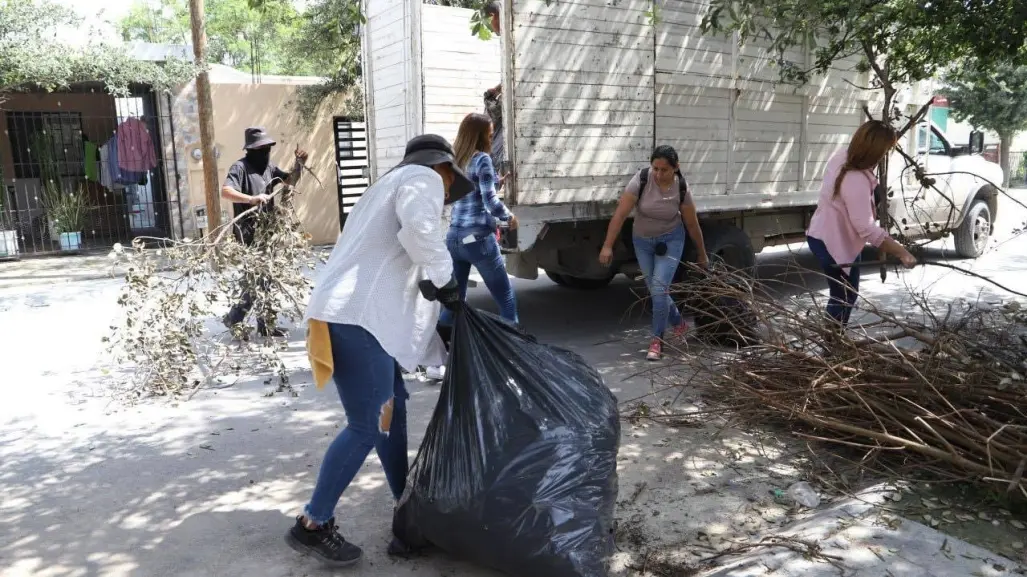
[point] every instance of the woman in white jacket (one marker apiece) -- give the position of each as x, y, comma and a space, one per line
368, 322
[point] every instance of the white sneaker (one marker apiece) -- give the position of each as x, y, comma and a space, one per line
435, 373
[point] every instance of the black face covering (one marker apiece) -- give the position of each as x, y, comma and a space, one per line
259, 158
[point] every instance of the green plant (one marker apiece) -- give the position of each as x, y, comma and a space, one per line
42, 149
68, 212
6, 222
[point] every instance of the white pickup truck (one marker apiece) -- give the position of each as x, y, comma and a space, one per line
592, 86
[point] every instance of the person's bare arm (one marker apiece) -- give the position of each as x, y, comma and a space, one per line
624, 207
690, 217
233, 195
892, 247
230, 189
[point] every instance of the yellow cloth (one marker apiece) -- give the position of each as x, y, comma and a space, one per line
319, 351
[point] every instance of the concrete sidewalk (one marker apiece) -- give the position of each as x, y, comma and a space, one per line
59, 269
858, 535
41, 271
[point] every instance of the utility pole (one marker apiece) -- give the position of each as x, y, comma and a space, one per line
206, 111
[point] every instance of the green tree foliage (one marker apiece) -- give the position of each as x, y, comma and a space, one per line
252, 39
902, 41
329, 34
33, 56
994, 100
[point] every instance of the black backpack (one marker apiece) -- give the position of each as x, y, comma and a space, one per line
643, 179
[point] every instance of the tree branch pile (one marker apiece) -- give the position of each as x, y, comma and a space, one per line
174, 298
924, 395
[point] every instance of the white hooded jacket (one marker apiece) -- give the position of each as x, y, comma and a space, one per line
393, 239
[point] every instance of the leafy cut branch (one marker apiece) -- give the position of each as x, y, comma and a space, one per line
32, 55
173, 296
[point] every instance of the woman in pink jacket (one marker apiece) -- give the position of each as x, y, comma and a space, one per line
846, 220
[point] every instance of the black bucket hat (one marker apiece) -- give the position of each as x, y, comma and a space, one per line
431, 150
257, 137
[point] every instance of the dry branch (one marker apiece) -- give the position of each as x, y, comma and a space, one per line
921, 390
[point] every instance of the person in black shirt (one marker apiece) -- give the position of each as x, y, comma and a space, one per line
250, 182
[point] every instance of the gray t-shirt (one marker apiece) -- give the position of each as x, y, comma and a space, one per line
658, 211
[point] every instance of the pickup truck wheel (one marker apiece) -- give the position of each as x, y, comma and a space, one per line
726, 244
973, 234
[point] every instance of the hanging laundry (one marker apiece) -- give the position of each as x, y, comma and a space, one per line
119, 175
90, 161
135, 147
106, 178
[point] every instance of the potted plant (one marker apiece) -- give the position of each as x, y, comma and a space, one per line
50, 181
68, 214
8, 234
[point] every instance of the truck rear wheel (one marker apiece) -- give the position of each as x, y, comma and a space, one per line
973, 234
578, 282
726, 244
557, 278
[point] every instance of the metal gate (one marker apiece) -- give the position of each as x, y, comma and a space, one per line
66, 189
352, 168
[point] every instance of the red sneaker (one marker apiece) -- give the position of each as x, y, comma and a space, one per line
655, 351
680, 332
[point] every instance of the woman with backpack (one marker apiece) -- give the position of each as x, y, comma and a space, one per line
664, 210
845, 220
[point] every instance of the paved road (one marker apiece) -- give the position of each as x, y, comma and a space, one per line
208, 487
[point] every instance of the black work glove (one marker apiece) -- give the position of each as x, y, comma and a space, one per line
448, 295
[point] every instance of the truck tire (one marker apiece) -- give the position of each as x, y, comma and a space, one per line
557, 278
973, 234
587, 284
731, 246
579, 283
728, 245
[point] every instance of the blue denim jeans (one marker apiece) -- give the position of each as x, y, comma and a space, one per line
843, 288
370, 385
659, 275
483, 253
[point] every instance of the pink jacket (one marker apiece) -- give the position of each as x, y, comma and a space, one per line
135, 148
848, 222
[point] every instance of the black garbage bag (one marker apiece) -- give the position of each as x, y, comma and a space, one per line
518, 468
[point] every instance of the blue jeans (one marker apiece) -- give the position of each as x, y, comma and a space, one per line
370, 384
483, 253
659, 275
843, 288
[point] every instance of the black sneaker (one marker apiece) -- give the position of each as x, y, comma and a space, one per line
325, 543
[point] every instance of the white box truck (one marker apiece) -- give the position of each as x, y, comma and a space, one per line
592, 86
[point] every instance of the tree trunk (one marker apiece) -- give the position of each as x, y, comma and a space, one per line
206, 112
882, 169
1005, 140
882, 175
